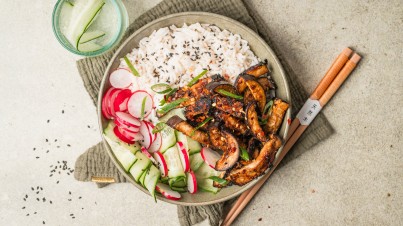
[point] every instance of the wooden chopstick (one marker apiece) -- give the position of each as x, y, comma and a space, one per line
331, 73
244, 199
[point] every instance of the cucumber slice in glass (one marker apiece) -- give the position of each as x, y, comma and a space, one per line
90, 36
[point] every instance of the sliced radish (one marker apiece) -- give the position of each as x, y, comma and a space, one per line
106, 101
130, 135
184, 155
210, 156
192, 182
114, 93
146, 142
156, 145
161, 163
150, 129
128, 120
104, 108
121, 78
121, 136
135, 102
166, 191
120, 101
146, 153
126, 127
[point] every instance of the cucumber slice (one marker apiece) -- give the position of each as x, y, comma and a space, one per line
151, 180
84, 12
90, 47
143, 176
202, 175
108, 132
181, 190
91, 35
124, 156
174, 163
196, 161
178, 111
191, 145
141, 165
168, 139
178, 182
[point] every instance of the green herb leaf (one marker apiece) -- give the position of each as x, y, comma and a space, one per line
143, 105
166, 108
196, 79
161, 88
267, 107
201, 125
163, 101
244, 154
219, 180
229, 94
159, 127
131, 67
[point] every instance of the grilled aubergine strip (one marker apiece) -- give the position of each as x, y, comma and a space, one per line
231, 153
257, 70
253, 122
184, 127
231, 123
217, 139
228, 105
276, 117
256, 167
258, 93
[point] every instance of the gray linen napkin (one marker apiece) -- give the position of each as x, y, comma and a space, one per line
95, 162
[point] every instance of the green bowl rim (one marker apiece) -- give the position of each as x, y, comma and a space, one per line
123, 20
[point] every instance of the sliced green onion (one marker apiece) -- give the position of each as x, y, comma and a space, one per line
201, 125
268, 107
195, 79
130, 65
163, 101
219, 180
161, 88
70, 3
159, 127
143, 105
229, 94
244, 154
166, 108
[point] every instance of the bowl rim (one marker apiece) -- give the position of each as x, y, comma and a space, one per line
123, 21
104, 81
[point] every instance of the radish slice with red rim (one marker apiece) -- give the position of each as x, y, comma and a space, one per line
104, 107
210, 156
146, 142
150, 129
161, 163
132, 129
156, 145
130, 135
184, 156
167, 192
191, 182
134, 105
108, 103
128, 120
121, 78
146, 153
122, 137
113, 95
120, 101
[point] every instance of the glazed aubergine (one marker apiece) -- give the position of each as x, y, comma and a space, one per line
244, 117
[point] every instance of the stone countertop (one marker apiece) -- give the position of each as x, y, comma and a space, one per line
353, 178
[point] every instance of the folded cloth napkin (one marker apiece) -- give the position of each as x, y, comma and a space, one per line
95, 162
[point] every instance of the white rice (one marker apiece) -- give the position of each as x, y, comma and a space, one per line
174, 55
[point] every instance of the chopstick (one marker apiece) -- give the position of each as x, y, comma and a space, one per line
331, 73
325, 96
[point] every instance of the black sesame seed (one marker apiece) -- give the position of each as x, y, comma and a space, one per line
37, 157
23, 207
48, 121
62, 111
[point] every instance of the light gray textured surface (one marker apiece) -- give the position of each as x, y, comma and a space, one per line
354, 178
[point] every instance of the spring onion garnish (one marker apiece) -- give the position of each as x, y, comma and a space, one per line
130, 65
221, 181
143, 106
229, 94
159, 127
161, 88
163, 101
244, 154
268, 107
201, 125
196, 79
166, 108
